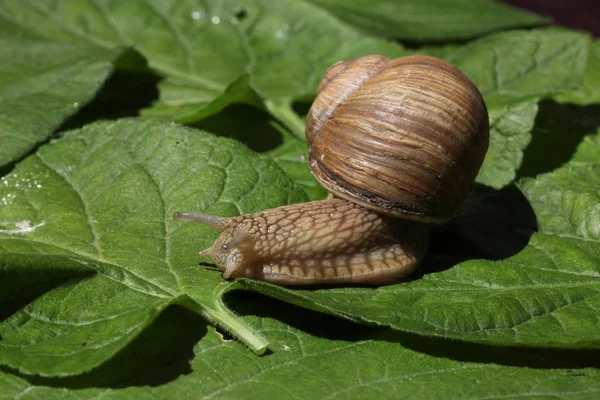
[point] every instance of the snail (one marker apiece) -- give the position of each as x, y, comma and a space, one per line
399, 143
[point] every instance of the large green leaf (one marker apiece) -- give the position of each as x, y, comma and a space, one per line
590, 92
430, 20
318, 357
520, 65
41, 84
203, 47
513, 70
548, 295
292, 156
93, 211
510, 133
286, 46
589, 151
559, 129
566, 203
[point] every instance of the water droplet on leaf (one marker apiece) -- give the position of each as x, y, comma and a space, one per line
197, 15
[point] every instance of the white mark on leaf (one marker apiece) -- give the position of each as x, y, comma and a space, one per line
23, 227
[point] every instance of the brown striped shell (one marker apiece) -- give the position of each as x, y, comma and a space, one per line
404, 137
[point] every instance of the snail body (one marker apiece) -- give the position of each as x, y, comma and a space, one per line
325, 242
399, 142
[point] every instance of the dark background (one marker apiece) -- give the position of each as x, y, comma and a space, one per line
575, 14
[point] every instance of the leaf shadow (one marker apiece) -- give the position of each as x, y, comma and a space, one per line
19, 289
492, 224
558, 130
153, 358
246, 124
539, 358
130, 88
250, 303
325, 326
302, 106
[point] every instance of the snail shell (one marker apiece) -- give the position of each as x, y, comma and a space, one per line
404, 137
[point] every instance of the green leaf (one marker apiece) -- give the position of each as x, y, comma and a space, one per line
514, 66
430, 20
513, 70
186, 110
510, 133
286, 51
548, 295
96, 207
589, 151
292, 157
202, 48
566, 201
559, 129
246, 124
259, 132
319, 357
589, 93
41, 84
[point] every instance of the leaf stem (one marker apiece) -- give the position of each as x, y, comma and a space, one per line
282, 110
221, 316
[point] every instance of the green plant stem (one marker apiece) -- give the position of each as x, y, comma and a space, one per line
282, 110
221, 316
